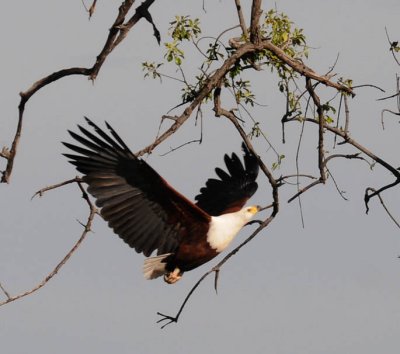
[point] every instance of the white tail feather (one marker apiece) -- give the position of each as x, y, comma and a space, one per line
154, 267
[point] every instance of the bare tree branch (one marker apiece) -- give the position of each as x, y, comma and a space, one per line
117, 33
87, 229
5, 292
92, 8
242, 22
216, 269
392, 47
255, 21
58, 185
361, 148
321, 121
384, 206
397, 95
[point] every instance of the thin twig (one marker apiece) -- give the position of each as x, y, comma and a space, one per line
283, 179
321, 121
388, 97
384, 206
364, 150
369, 85
391, 47
387, 111
341, 193
87, 229
5, 291
347, 115
58, 185
92, 9
338, 119
305, 189
369, 196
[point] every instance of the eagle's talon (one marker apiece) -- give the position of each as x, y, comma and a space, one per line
173, 277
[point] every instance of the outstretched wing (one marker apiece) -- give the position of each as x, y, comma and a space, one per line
233, 189
139, 205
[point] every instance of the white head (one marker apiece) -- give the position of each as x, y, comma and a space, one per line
248, 212
224, 228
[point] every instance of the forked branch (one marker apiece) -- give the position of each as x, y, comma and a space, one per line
117, 33
86, 230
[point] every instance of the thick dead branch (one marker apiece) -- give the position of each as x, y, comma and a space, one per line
241, 19
117, 33
297, 65
255, 21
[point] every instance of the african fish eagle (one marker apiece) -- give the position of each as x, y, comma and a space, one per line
150, 215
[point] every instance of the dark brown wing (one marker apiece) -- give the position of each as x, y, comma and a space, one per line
233, 189
139, 205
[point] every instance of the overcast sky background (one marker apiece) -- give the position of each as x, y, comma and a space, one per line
332, 287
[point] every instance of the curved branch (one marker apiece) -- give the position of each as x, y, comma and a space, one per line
216, 269
297, 66
369, 196
117, 33
387, 111
383, 205
87, 229
361, 148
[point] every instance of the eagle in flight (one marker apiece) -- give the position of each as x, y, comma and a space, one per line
150, 215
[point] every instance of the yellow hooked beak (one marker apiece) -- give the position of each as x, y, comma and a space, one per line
254, 209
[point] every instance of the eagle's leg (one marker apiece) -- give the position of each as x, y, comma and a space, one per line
173, 277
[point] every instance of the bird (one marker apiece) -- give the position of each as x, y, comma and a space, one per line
146, 212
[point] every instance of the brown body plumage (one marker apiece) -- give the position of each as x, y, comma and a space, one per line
150, 215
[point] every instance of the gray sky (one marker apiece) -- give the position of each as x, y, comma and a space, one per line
332, 287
